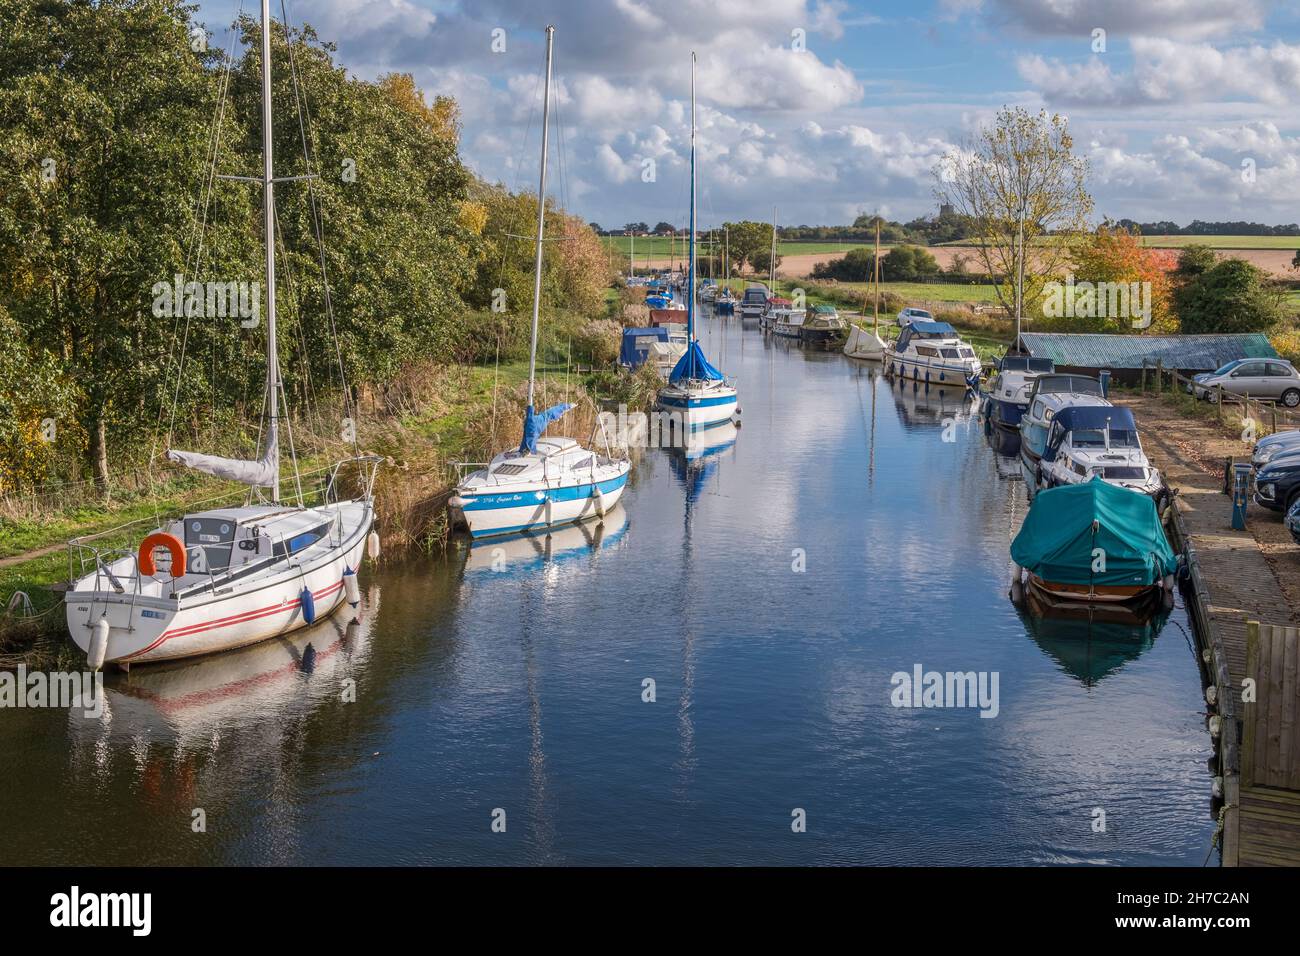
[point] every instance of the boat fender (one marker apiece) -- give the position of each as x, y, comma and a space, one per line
1216, 725
372, 545
351, 588
1017, 584
1211, 695
160, 539
600, 500
98, 648
1216, 788
308, 604
549, 511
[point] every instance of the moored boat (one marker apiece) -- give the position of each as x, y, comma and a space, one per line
1092, 542
1048, 395
823, 326
1091, 441
785, 322
1009, 388
933, 352
753, 303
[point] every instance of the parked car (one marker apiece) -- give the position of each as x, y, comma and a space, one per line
1259, 378
1277, 484
910, 315
1292, 522
1272, 446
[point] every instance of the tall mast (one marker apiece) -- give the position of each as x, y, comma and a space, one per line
541, 217
875, 264
690, 276
268, 213
772, 260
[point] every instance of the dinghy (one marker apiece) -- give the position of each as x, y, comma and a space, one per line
225, 578
544, 482
1092, 542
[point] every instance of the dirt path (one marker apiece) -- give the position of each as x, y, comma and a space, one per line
26, 556
1191, 452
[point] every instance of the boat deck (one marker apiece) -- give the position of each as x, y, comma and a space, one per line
1261, 824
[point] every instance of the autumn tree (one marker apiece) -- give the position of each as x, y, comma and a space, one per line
1117, 256
1022, 193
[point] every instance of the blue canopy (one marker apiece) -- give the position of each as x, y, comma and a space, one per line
922, 329
535, 424
693, 365
1087, 417
636, 345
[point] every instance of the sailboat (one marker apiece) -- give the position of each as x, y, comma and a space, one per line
862, 344
545, 482
696, 391
228, 577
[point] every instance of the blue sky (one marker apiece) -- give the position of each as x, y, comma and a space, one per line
1188, 111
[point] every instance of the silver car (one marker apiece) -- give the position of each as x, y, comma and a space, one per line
1271, 378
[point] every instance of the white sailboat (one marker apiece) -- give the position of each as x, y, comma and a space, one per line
862, 344
696, 391
545, 482
224, 578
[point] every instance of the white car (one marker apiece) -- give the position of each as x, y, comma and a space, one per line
910, 315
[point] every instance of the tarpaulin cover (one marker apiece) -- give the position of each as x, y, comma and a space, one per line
636, 345
535, 424
1067, 524
693, 365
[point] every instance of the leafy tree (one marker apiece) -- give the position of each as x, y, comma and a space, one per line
1194, 260
664, 229
1023, 193
748, 240
1232, 296
906, 264
763, 261
1116, 255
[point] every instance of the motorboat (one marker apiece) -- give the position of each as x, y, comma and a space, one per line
1007, 398
1092, 542
753, 303
1048, 395
785, 322
933, 352
1097, 441
823, 326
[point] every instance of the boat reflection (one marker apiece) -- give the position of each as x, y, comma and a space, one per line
525, 553
1006, 451
1091, 641
922, 405
193, 702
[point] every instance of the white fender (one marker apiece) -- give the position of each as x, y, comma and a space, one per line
550, 507
98, 649
599, 499
372, 545
351, 588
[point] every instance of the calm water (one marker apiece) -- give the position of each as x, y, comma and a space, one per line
521, 688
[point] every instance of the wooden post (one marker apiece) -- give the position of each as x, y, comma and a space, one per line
1144, 376
1160, 375
1219, 403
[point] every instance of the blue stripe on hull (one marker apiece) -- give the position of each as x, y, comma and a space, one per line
692, 403
521, 499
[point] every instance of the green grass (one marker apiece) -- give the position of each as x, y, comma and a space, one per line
1224, 242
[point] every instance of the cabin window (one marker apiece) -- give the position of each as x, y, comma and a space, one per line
949, 353
926, 351
215, 536
509, 469
1079, 469
1119, 471
304, 539
1088, 438
967, 353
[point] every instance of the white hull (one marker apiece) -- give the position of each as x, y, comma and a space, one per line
864, 345
534, 515
700, 408
146, 628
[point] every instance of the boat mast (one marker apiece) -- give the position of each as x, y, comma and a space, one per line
541, 217
268, 212
690, 277
772, 260
875, 264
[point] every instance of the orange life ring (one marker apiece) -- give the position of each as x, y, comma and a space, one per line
160, 539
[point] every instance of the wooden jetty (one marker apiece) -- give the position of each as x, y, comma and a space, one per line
1245, 630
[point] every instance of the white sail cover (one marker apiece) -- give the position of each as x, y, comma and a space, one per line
259, 473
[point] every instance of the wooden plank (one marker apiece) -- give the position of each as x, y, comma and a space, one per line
1276, 698
1250, 709
1290, 699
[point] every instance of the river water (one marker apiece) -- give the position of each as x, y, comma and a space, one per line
769, 587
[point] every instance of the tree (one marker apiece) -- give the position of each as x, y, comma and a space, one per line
1193, 260
748, 240
1232, 296
1116, 255
1020, 187
907, 263
664, 229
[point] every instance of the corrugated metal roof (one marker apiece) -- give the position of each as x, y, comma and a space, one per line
1088, 350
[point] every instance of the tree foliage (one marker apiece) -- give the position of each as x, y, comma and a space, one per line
1231, 296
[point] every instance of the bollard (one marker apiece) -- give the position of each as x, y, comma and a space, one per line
1240, 494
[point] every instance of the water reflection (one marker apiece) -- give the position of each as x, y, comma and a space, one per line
522, 554
1091, 641
1005, 445
919, 405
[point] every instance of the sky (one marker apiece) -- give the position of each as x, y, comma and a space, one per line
825, 109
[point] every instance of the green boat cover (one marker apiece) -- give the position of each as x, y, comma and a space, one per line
1066, 525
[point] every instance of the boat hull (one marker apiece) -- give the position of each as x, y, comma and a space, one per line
1103, 594
493, 513
824, 336
145, 630
1006, 414
716, 408
934, 373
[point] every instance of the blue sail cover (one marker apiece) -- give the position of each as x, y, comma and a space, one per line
535, 424
636, 345
693, 365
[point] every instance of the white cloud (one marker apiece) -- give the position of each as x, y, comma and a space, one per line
1169, 71
1175, 18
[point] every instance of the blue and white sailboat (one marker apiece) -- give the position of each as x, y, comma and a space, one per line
545, 482
696, 391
